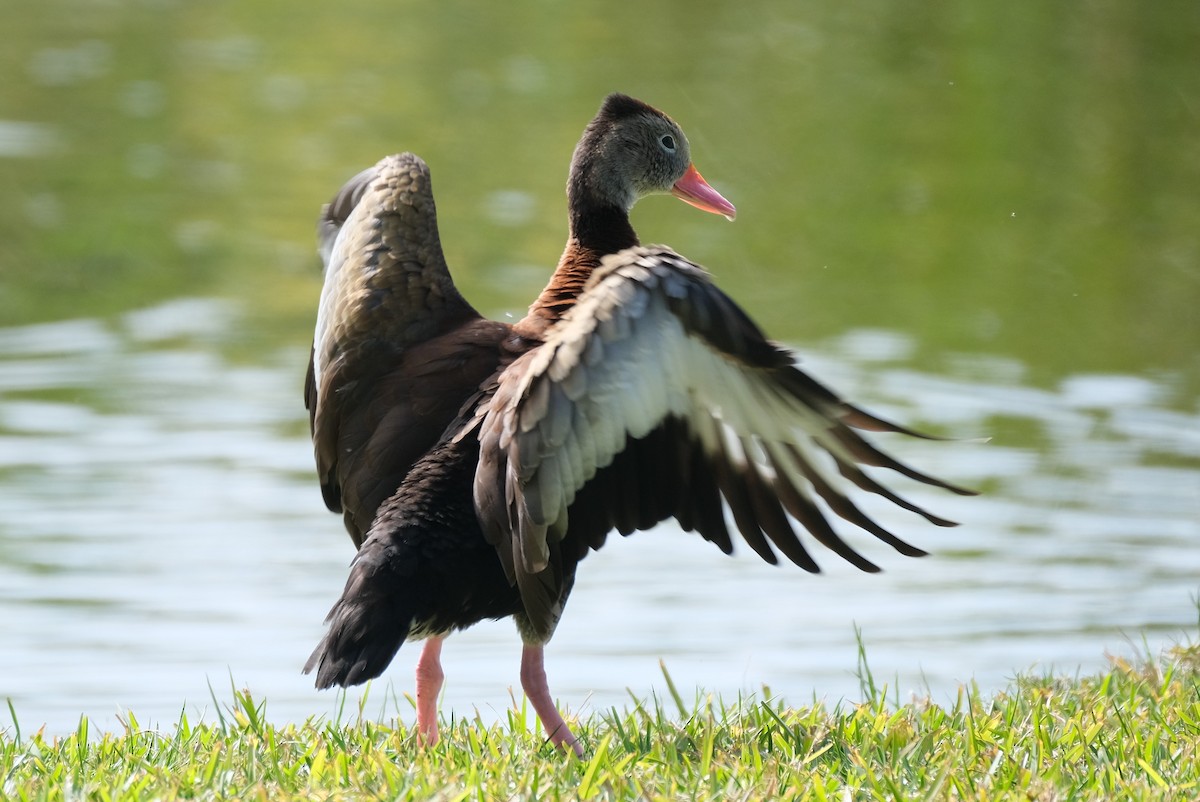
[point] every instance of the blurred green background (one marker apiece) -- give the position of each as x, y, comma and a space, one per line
1022, 180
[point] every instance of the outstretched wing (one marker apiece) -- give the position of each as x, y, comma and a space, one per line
396, 347
657, 397
333, 217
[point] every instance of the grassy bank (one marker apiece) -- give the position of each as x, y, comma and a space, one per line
1131, 733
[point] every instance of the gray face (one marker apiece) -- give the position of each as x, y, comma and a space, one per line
640, 156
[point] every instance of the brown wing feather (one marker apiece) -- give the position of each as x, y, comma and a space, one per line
396, 347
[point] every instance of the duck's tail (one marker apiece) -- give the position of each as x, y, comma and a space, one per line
371, 620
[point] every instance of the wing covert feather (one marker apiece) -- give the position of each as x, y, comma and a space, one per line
657, 396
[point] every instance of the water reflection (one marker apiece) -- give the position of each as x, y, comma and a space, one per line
161, 531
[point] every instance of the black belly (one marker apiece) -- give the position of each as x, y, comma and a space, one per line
436, 546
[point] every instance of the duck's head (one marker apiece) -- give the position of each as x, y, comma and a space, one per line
630, 150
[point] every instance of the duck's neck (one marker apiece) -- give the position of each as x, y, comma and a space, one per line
596, 231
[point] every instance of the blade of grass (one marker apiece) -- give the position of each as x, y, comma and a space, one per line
589, 776
12, 713
679, 705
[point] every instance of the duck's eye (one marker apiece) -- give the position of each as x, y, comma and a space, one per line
668, 142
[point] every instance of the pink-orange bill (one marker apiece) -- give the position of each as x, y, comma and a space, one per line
693, 189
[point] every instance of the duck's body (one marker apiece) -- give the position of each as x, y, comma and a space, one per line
633, 391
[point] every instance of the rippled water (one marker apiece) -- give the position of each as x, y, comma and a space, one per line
161, 532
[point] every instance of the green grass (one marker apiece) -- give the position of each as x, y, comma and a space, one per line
1130, 733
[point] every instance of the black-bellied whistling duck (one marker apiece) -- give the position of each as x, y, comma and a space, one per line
397, 348
633, 391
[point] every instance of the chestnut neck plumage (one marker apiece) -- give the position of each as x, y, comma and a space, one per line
597, 229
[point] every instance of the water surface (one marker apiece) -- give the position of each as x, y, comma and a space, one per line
162, 532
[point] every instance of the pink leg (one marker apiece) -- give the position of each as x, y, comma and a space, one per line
533, 680
429, 685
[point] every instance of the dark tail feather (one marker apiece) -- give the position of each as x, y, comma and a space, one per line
367, 625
